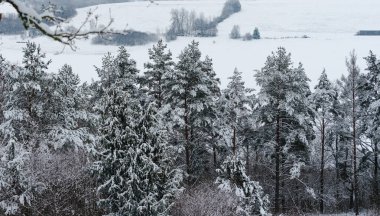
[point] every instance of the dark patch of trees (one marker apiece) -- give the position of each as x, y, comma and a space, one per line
127, 38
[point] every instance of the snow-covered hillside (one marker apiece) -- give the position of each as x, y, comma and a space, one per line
331, 25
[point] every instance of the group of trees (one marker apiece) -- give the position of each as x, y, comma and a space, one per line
126, 38
169, 140
235, 34
185, 23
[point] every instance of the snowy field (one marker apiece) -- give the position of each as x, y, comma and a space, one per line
330, 24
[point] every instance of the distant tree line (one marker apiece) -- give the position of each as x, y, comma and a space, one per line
10, 25
185, 23
235, 34
126, 38
368, 33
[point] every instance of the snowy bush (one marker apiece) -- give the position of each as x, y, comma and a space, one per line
251, 198
247, 36
205, 200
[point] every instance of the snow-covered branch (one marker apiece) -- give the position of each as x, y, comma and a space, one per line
32, 18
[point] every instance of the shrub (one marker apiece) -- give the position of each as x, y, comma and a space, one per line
205, 200
247, 37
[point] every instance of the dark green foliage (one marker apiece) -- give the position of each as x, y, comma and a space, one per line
256, 34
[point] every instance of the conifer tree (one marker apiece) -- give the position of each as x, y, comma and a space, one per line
132, 169
21, 130
370, 103
233, 178
66, 114
323, 99
350, 97
192, 92
237, 107
284, 112
161, 64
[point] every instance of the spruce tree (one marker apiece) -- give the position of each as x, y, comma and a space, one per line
134, 174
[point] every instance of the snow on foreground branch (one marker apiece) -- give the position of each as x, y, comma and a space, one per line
66, 36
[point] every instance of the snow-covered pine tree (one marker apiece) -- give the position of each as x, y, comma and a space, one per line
133, 172
21, 130
350, 100
213, 129
192, 91
232, 178
323, 99
160, 64
371, 125
68, 118
237, 107
284, 113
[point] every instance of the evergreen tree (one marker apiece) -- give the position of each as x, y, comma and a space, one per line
192, 92
323, 99
350, 97
284, 112
161, 64
256, 34
132, 168
66, 114
22, 130
237, 107
251, 198
370, 103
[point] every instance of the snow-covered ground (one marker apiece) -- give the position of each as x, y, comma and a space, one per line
331, 25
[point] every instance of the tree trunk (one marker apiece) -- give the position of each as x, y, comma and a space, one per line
375, 175
187, 146
234, 142
277, 158
214, 154
355, 185
322, 166
247, 159
337, 171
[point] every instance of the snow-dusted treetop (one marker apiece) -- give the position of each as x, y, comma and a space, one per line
32, 18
